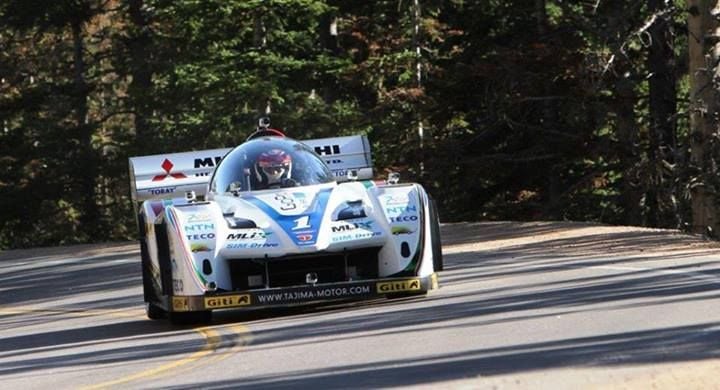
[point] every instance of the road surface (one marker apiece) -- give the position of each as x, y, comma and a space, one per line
542, 305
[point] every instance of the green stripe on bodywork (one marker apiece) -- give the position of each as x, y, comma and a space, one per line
186, 245
412, 265
199, 275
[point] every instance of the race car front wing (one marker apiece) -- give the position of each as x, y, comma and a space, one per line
303, 294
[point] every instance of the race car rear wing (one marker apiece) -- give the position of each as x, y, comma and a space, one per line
172, 175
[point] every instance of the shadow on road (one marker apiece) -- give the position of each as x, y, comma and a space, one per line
671, 344
91, 345
51, 280
453, 306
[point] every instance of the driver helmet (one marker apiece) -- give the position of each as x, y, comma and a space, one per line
272, 167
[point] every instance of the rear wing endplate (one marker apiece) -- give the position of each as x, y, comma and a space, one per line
172, 175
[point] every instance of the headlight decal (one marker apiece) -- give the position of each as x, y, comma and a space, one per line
172, 219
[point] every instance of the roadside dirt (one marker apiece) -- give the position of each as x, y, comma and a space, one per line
567, 238
61, 252
570, 238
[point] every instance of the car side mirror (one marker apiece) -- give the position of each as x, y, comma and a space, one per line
393, 178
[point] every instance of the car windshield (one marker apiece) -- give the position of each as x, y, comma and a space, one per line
269, 162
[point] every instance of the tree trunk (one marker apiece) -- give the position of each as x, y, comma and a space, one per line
703, 112
141, 85
86, 164
419, 84
624, 108
541, 16
662, 107
264, 105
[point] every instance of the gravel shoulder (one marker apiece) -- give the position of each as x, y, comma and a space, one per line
566, 237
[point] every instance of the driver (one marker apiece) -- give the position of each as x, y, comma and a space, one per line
272, 168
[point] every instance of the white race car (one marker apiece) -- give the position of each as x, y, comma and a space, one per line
276, 221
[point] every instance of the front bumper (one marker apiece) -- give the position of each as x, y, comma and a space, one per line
355, 290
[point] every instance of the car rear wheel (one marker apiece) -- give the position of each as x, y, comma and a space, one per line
154, 312
438, 263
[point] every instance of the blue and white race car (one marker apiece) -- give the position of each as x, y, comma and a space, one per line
276, 221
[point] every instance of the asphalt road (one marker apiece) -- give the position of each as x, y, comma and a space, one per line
521, 306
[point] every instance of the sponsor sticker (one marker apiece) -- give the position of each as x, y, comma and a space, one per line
167, 166
326, 150
356, 236
398, 286
306, 294
203, 236
200, 247
289, 201
302, 227
253, 235
345, 226
396, 199
180, 304
251, 245
403, 218
199, 227
304, 237
207, 162
227, 301
162, 190
401, 209
396, 230
198, 217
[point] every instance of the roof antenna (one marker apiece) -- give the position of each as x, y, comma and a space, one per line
264, 130
263, 123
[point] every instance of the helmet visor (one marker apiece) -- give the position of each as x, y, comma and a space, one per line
274, 170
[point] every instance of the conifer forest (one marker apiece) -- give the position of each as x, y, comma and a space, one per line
583, 110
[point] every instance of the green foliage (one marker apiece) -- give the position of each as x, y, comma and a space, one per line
502, 109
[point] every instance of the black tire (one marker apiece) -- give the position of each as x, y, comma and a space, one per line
438, 263
154, 312
190, 317
144, 260
149, 294
163, 253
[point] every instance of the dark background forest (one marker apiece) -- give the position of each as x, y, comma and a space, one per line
592, 110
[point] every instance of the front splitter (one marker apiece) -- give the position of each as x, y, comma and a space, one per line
351, 290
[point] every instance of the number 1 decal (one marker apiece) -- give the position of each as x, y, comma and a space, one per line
302, 223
